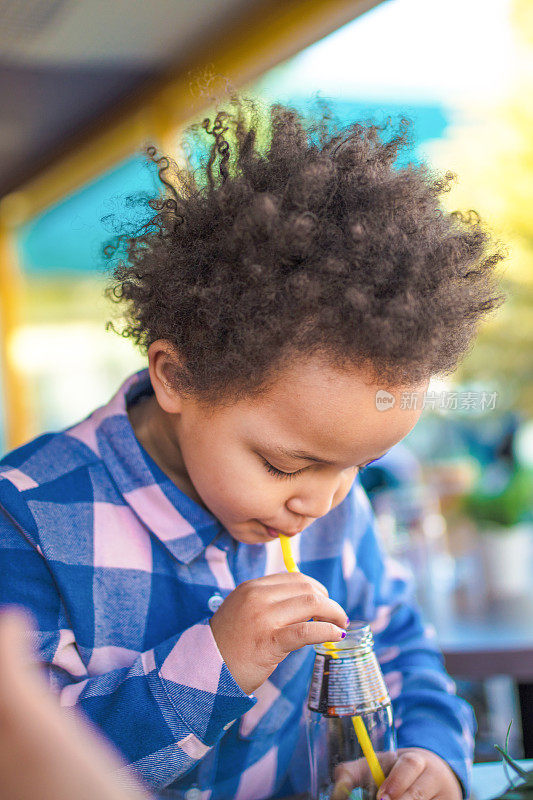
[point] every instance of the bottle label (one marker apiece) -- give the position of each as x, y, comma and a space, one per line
346, 686
343, 684
315, 690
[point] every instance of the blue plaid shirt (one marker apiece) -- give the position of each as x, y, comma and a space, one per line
122, 572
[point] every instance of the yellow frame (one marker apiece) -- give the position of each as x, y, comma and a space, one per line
270, 33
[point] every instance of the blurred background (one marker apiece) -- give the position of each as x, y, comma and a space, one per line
84, 86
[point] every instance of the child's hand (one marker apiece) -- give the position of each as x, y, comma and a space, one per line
416, 774
265, 619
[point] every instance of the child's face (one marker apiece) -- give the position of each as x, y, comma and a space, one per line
221, 454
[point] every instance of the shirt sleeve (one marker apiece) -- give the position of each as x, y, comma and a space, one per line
427, 711
164, 711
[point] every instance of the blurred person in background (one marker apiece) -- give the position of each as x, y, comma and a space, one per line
399, 467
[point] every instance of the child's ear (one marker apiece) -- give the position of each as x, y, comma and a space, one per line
162, 361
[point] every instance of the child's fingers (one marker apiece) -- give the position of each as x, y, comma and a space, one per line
293, 637
408, 767
290, 579
350, 774
311, 605
425, 787
278, 592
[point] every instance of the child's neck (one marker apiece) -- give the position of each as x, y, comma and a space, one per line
151, 426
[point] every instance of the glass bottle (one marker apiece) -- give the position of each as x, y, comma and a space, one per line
347, 683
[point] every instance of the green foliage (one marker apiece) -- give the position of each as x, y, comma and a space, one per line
508, 507
523, 790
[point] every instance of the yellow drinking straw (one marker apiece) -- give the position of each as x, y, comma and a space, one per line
359, 726
288, 558
366, 746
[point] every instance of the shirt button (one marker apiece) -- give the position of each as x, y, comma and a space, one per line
193, 793
213, 604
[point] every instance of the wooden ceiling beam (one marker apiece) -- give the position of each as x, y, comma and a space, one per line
270, 33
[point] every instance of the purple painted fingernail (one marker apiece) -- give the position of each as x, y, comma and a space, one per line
343, 634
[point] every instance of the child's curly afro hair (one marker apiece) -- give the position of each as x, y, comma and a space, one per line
314, 243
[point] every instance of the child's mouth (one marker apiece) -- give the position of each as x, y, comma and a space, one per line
273, 532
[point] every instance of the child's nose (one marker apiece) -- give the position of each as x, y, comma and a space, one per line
316, 499
315, 507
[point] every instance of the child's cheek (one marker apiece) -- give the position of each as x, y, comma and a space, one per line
234, 494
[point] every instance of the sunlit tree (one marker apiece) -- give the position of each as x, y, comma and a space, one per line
491, 150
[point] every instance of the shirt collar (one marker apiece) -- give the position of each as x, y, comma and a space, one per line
184, 526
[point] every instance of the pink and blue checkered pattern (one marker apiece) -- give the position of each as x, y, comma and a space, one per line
120, 568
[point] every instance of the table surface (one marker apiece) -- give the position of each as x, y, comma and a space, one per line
489, 780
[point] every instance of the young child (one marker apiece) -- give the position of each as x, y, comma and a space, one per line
275, 296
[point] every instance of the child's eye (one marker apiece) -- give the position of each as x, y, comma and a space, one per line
280, 474
277, 472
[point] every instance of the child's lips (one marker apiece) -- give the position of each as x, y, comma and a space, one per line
274, 533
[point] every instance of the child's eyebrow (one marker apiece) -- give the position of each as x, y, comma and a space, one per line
283, 451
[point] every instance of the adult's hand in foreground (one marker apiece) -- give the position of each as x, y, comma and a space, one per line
45, 753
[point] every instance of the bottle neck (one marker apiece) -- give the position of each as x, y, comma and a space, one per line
347, 679
358, 642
